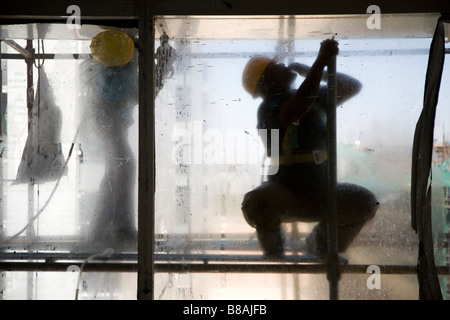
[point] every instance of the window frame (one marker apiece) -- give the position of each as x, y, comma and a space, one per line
142, 14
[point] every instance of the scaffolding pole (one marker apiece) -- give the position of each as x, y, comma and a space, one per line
2, 229
333, 256
209, 266
28, 54
146, 168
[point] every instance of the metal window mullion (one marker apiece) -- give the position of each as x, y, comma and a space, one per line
146, 173
2, 211
333, 256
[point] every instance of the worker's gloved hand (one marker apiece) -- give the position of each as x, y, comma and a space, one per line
328, 49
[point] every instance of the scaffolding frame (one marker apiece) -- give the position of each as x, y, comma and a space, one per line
146, 262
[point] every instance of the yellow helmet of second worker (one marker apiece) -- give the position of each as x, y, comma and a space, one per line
112, 48
253, 71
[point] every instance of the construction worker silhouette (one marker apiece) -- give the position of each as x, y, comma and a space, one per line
298, 190
110, 82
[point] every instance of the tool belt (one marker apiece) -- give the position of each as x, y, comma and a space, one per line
316, 157
288, 157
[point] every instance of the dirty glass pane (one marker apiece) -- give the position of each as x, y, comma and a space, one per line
68, 157
441, 177
63, 285
209, 153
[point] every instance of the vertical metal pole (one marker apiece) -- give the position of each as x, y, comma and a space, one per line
30, 90
333, 255
30, 103
146, 171
1, 94
2, 198
290, 41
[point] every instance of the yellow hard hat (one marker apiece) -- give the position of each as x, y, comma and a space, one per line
112, 48
253, 72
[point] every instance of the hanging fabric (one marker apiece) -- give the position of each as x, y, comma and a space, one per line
421, 210
42, 159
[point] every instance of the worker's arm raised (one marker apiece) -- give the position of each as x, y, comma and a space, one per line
307, 93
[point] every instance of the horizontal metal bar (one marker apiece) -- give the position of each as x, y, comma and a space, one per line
45, 56
193, 263
287, 268
51, 9
64, 266
161, 257
63, 18
127, 8
308, 268
235, 55
291, 7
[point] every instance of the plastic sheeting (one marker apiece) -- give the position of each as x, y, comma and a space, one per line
42, 158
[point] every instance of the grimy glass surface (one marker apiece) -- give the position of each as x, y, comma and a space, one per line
209, 154
69, 168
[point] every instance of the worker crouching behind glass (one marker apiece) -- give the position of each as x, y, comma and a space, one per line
298, 190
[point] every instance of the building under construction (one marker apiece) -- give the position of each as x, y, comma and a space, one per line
129, 139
